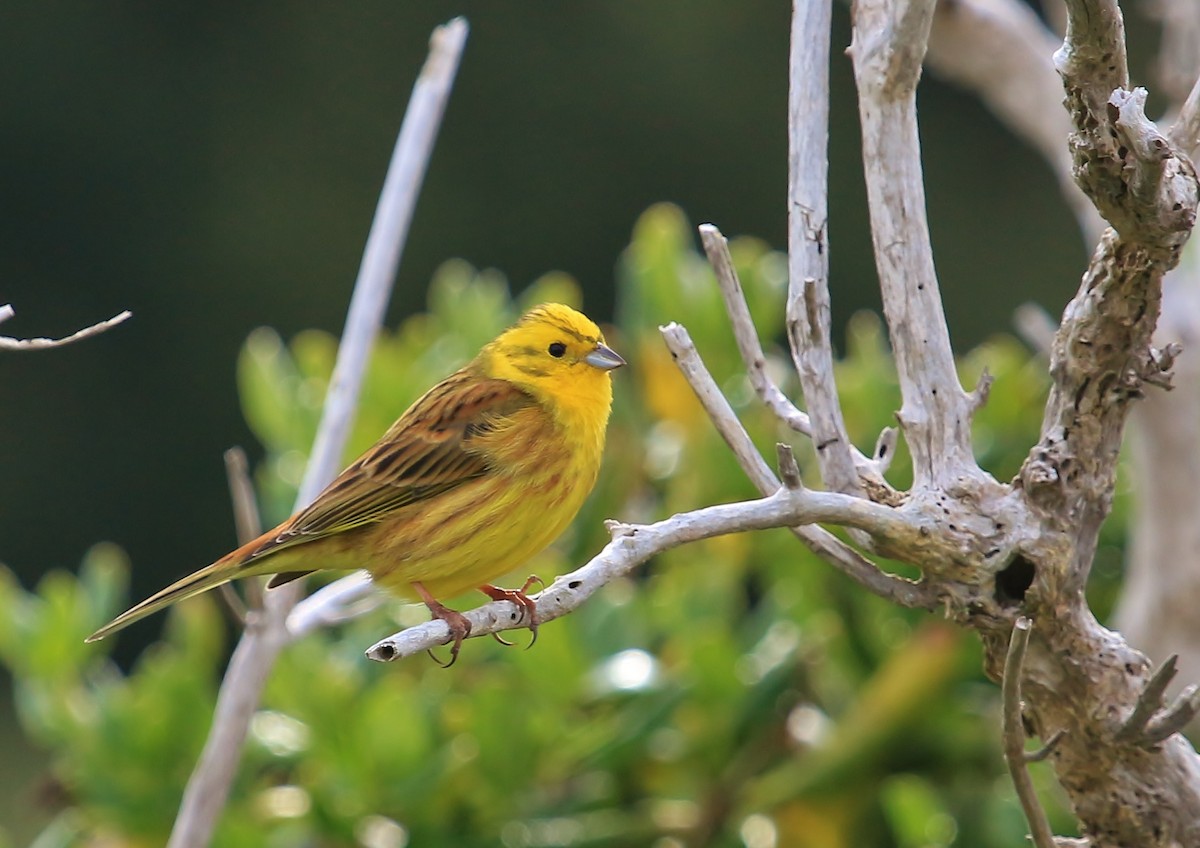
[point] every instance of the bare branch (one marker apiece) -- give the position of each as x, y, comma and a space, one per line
979, 396
249, 526
717, 249
887, 48
241, 493
1159, 182
789, 471
265, 636
1163, 552
1102, 353
7, 343
1176, 717
1122, 162
820, 541
632, 545
744, 332
1150, 723
1047, 749
808, 306
1014, 736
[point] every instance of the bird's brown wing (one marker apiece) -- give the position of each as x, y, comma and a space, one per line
428, 451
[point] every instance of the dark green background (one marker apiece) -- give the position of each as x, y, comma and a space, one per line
214, 167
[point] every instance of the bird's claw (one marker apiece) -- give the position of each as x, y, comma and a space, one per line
459, 624
522, 601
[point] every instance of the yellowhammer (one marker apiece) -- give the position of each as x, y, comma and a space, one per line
483, 472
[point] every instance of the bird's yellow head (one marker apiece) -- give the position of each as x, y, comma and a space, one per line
559, 356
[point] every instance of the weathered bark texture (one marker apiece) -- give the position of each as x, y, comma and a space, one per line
998, 49
992, 552
1157, 611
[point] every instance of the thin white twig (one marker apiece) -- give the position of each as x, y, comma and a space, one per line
808, 303
817, 539
249, 526
7, 343
341, 600
241, 493
716, 247
634, 544
1014, 736
266, 635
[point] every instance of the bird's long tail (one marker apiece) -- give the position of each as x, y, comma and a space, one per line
229, 567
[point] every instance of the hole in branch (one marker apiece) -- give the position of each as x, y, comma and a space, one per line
1014, 581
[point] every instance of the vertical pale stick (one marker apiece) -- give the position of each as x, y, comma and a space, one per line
208, 788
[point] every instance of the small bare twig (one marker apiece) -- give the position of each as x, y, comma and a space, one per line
808, 304
241, 493
7, 343
1150, 722
717, 249
1176, 717
789, 471
248, 524
1014, 736
820, 541
240, 692
1146, 167
979, 396
1149, 702
1047, 749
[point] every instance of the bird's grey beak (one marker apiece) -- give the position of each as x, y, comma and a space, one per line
604, 358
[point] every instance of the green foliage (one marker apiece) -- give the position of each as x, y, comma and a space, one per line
736, 691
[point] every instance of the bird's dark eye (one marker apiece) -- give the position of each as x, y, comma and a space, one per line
557, 349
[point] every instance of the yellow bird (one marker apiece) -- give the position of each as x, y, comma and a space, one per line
483, 472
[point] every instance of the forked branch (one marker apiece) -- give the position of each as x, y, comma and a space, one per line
817, 539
